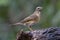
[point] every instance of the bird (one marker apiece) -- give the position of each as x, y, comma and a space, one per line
32, 19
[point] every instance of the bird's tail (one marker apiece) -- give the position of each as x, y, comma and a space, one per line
18, 23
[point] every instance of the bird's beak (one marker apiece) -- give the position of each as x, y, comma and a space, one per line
41, 8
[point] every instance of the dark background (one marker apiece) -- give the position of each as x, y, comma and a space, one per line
12, 11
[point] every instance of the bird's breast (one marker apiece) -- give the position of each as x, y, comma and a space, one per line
38, 17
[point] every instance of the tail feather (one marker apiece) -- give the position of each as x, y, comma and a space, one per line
18, 24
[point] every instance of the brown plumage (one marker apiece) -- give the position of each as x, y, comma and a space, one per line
32, 19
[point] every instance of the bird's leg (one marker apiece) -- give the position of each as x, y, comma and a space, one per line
30, 28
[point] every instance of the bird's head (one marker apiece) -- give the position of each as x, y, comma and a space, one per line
38, 8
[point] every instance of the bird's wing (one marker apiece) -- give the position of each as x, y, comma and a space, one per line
29, 18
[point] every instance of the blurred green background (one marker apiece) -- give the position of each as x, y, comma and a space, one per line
12, 11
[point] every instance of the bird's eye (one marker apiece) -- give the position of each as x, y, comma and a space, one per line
38, 8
